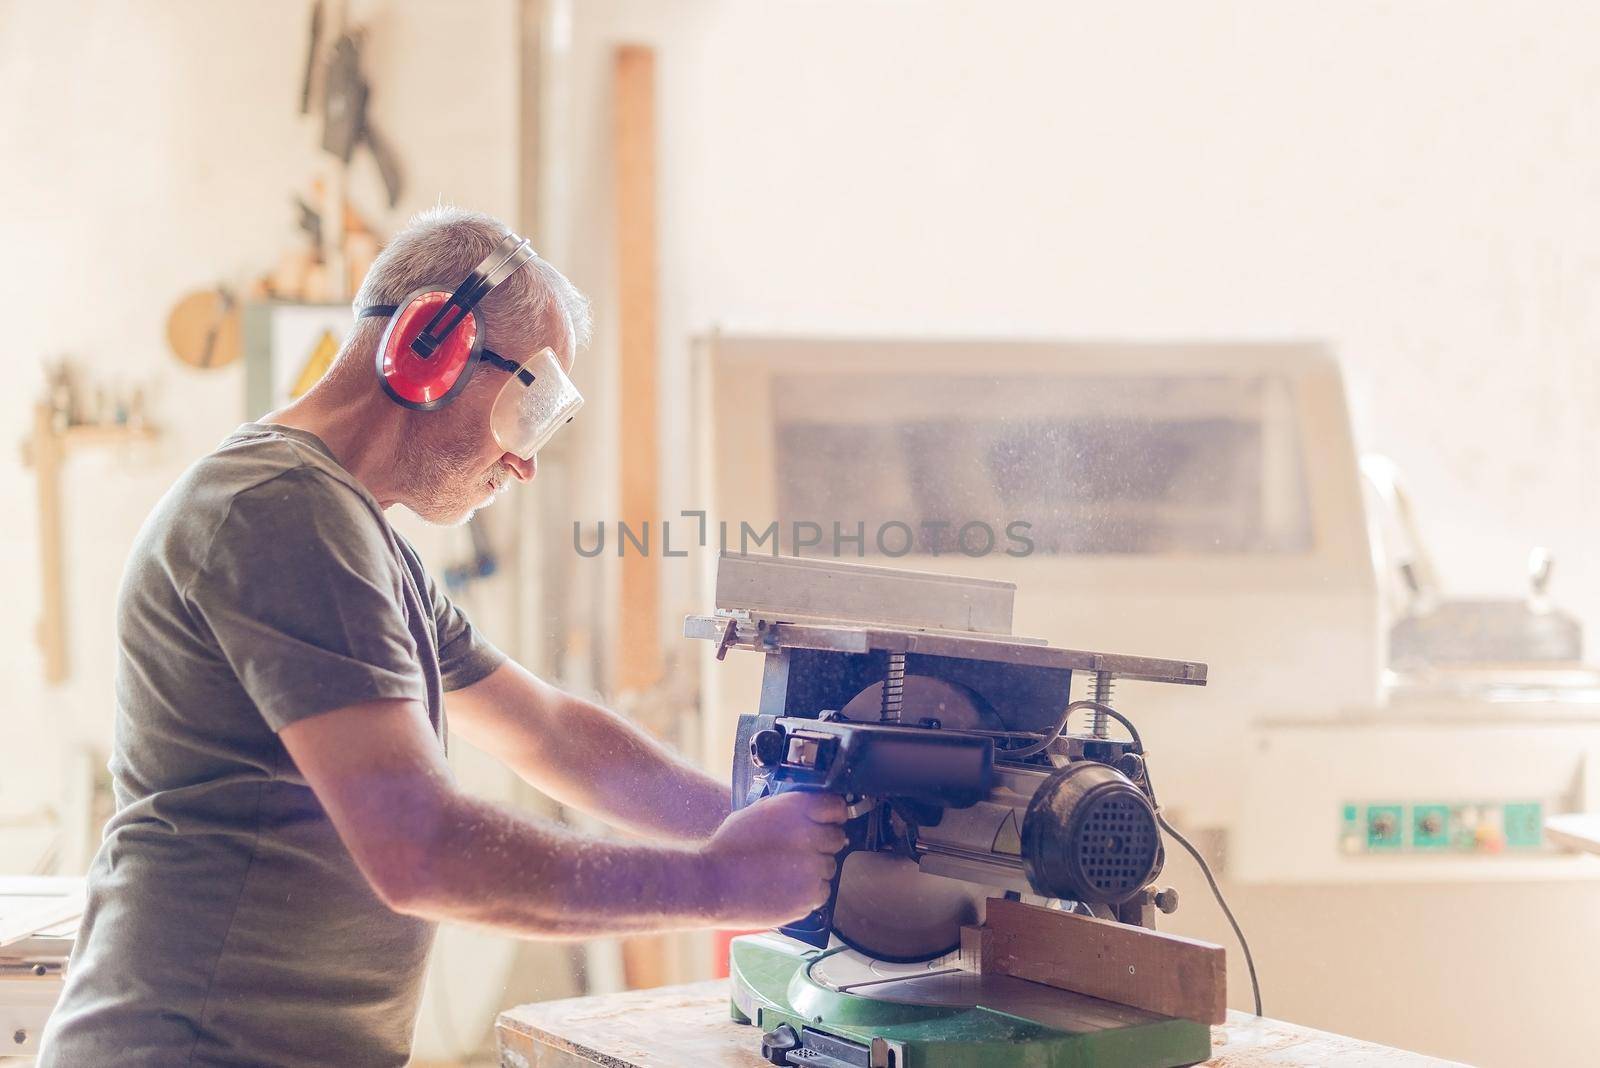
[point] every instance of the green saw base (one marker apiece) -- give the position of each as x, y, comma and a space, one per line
771, 986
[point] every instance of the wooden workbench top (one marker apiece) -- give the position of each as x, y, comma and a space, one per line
688, 1027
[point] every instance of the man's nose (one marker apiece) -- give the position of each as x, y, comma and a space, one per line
523, 469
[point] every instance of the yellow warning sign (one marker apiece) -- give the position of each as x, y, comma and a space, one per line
317, 364
1008, 839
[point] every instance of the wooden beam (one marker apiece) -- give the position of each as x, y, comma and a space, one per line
1152, 970
45, 451
530, 117
638, 660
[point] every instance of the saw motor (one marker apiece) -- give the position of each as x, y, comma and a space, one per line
935, 804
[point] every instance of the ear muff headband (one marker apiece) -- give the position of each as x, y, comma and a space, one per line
508, 256
434, 339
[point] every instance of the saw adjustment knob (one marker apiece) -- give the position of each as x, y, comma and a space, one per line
766, 748
776, 1044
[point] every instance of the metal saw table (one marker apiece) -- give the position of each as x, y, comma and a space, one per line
688, 1027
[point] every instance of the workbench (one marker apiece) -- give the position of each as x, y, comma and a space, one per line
688, 1026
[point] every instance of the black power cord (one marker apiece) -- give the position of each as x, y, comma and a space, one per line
1161, 819
1205, 869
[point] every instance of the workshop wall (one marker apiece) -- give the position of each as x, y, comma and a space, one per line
152, 149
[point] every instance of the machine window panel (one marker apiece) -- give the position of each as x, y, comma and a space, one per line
1096, 465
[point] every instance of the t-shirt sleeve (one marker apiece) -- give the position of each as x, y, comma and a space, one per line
465, 656
303, 596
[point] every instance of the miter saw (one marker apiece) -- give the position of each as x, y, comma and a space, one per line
948, 737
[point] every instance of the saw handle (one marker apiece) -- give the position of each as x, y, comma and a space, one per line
815, 928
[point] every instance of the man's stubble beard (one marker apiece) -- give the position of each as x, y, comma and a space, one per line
446, 490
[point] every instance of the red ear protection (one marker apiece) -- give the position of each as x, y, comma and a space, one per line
426, 382
434, 339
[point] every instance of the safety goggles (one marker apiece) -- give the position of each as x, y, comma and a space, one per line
537, 400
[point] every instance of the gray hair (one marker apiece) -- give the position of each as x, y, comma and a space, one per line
439, 247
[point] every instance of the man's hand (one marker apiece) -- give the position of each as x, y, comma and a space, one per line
773, 862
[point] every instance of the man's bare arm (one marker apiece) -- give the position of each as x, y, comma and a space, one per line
587, 756
430, 850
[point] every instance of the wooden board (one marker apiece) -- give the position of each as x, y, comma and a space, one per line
46, 453
636, 658
688, 1027
781, 587
638, 649
1164, 973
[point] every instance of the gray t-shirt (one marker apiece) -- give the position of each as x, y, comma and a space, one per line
226, 922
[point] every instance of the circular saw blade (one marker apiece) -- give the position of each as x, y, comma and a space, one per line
926, 696
890, 910
887, 908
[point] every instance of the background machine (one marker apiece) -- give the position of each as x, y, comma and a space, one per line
1372, 767
907, 694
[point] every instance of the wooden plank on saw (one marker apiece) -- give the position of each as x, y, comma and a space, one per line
1152, 970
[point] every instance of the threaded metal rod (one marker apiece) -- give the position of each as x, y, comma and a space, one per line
894, 689
1102, 694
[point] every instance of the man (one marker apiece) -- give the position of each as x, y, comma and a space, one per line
288, 832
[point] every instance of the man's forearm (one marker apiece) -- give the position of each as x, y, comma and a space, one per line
587, 756
605, 765
489, 866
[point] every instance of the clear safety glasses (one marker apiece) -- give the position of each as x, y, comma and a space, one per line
536, 401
